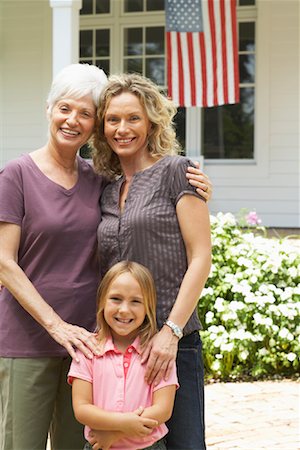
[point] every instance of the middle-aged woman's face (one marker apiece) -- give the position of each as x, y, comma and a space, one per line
126, 126
72, 121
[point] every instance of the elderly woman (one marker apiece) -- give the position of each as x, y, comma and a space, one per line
49, 214
152, 215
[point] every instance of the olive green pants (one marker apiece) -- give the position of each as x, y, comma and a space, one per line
35, 399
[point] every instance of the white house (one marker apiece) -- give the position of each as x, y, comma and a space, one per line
250, 150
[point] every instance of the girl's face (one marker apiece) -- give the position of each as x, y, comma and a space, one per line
124, 309
72, 122
126, 126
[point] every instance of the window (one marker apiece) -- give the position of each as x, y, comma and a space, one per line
95, 7
144, 52
95, 48
228, 130
143, 5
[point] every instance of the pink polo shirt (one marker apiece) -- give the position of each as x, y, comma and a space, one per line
119, 385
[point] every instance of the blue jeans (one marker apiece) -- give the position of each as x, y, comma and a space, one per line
186, 426
159, 445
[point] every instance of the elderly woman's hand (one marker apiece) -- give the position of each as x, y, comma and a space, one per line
72, 336
200, 181
161, 353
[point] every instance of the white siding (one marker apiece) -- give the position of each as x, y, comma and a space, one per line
271, 184
25, 36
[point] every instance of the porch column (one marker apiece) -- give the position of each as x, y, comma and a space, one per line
65, 33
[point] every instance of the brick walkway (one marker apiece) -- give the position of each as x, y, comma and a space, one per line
262, 415
253, 416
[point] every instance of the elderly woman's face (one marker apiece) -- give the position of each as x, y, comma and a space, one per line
72, 121
126, 126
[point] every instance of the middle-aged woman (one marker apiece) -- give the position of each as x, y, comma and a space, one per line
152, 215
49, 213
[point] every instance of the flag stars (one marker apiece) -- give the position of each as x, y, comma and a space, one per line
183, 15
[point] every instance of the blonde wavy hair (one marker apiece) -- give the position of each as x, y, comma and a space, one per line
159, 109
143, 276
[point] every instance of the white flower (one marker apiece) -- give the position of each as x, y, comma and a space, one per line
209, 317
240, 334
229, 316
257, 318
227, 347
260, 320
244, 355
263, 288
268, 321
213, 219
250, 298
219, 356
219, 304
207, 291
291, 356
263, 351
284, 333
236, 306
216, 329
226, 219
229, 278
292, 271
216, 365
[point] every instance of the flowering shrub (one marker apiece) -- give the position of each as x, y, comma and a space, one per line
250, 306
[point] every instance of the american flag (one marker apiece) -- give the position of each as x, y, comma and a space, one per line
202, 52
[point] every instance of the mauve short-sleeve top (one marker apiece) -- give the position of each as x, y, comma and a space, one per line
147, 231
57, 252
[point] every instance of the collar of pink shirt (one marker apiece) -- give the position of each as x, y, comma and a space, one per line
110, 347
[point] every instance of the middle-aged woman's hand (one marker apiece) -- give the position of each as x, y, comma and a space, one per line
200, 181
160, 354
72, 336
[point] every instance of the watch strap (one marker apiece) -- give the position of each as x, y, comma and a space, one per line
177, 331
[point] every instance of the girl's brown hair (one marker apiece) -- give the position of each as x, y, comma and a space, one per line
143, 276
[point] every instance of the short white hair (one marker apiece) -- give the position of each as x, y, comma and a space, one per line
77, 80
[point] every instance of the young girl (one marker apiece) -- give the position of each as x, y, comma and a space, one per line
109, 392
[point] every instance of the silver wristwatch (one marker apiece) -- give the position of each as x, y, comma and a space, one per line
177, 331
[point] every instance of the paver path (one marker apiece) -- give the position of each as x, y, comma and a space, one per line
253, 416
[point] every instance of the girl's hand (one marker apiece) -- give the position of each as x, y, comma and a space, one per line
72, 336
133, 425
161, 353
103, 440
200, 181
